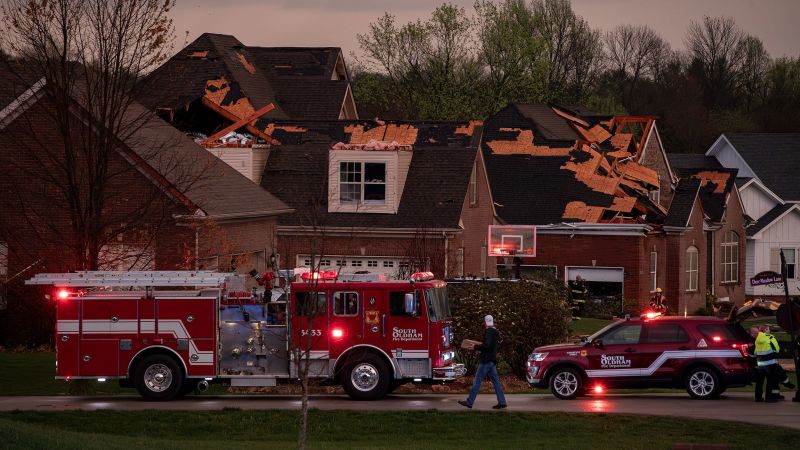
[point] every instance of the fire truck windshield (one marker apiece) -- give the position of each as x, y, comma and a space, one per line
438, 304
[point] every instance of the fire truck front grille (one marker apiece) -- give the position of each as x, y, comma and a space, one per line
414, 367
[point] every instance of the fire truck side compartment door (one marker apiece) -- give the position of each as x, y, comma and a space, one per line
189, 326
99, 357
67, 337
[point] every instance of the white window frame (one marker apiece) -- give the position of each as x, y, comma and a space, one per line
362, 183
729, 261
692, 268
785, 251
653, 271
344, 314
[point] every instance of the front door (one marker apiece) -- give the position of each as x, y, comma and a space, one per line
407, 334
347, 320
617, 357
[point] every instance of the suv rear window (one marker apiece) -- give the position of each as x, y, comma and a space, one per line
664, 333
723, 332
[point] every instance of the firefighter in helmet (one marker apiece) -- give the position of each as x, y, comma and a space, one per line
578, 295
659, 302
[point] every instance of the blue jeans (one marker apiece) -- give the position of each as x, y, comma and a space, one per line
484, 369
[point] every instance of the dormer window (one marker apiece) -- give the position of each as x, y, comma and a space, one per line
366, 181
362, 182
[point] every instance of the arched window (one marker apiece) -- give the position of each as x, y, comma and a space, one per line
730, 257
691, 268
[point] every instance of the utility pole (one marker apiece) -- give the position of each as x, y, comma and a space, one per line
792, 328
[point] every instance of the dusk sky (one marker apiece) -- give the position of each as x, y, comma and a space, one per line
335, 23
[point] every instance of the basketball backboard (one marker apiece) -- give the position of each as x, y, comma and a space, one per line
512, 240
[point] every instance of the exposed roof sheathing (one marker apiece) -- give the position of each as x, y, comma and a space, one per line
584, 166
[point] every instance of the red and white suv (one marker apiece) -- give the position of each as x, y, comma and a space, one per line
704, 355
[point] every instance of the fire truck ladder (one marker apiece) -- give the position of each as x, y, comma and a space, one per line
194, 278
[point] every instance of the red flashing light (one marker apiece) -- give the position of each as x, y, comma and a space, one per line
651, 315
68, 377
716, 339
421, 276
337, 333
321, 275
598, 389
63, 294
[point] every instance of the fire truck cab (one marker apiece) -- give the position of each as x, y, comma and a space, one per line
168, 333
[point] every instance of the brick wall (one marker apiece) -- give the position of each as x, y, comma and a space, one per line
476, 218
562, 250
682, 300
733, 221
654, 159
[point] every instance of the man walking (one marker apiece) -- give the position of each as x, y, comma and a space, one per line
488, 366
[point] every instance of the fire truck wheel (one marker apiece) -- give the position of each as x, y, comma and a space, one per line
366, 379
566, 383
703, 383
158, 377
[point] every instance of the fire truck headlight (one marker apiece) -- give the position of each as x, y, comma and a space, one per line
537, 357
446, 356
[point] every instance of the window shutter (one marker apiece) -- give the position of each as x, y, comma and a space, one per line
775, 260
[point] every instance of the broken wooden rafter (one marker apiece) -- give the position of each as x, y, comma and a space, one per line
239, 124
232, 117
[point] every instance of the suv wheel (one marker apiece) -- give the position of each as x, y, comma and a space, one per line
703, 383
566, 383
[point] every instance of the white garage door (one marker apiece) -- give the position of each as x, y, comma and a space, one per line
601, 274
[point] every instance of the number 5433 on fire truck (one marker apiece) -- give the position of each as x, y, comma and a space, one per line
149, 330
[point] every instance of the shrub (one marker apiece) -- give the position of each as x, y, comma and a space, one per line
527, 314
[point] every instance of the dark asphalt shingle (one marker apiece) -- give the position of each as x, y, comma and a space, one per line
774, 157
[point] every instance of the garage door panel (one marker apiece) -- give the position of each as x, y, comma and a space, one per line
600, 274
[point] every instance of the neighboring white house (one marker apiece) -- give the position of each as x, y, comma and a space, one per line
768, 168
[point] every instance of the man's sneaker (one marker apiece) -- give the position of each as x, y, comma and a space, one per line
464, 403
499, 406
789, 385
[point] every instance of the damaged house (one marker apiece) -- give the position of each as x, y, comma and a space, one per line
170, 204
766, 167
706, 231
599, 190
390, 198
226, 94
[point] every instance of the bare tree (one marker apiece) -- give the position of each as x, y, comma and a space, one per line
90, 56
635, 52
571, 47
716, 45
753, 71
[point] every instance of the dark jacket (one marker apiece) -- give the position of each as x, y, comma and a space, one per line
488, 347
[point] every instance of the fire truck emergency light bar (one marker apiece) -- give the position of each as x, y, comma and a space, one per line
204, 278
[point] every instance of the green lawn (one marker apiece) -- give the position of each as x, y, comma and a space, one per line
587, 326
353, 429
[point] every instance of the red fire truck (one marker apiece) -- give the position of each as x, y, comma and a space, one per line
148, 330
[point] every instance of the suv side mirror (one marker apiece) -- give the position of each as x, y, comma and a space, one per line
597, 343
410, 303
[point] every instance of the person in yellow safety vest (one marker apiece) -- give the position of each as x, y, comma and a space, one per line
766, 351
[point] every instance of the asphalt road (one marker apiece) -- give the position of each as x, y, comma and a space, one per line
737, 407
